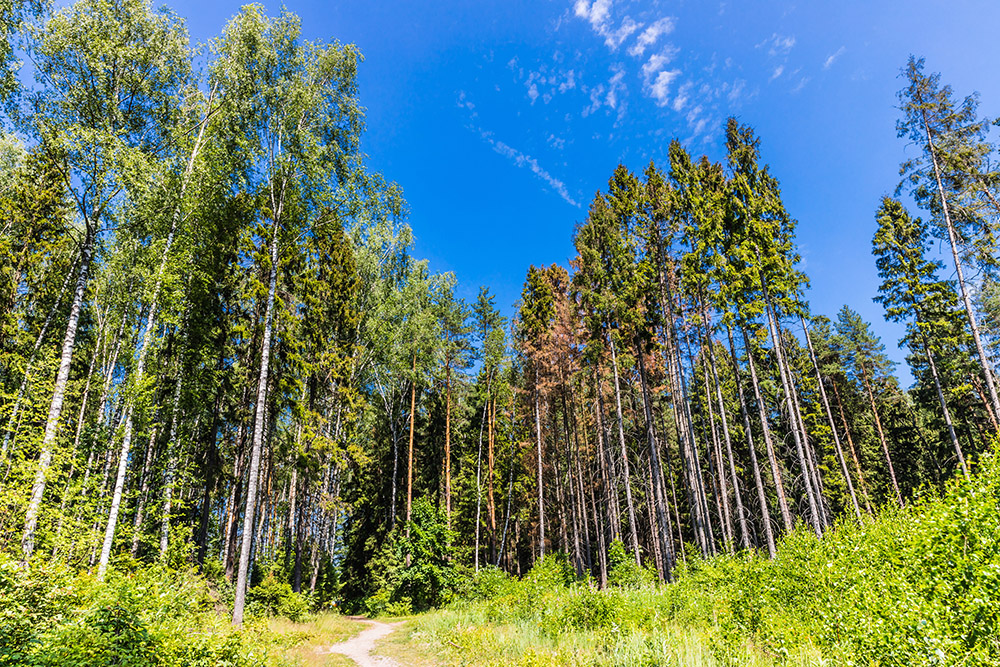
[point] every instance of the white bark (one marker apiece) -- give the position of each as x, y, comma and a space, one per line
58, 397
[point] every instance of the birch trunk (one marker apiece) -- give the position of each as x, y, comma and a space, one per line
258, 438
58, 397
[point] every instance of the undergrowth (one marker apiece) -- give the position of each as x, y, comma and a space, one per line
918, 586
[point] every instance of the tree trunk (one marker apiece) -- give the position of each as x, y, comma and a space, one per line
881, 435
541, 497
793, 414
624, 452
12, 422
143, 491
786, 515
447, 442
833, 427
854, 454
661, 537
58, 397
765, 513
944, 404
409, 463
258, 438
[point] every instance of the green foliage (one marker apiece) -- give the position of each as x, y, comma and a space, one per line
276, 598
919, 586
623, 571
414, 569
50, 616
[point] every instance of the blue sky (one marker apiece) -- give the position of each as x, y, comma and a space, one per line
501, 119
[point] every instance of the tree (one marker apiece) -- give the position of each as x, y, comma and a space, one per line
911, 292
102, 114
951, 142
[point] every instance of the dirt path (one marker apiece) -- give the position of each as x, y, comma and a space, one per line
359, 648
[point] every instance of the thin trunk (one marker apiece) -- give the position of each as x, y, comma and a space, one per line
541, 497
409, 460
833, 427
447, 443
606, 464
258, 436
624, 452
661, 537
740, 510
12, 422
881, 434
168, 476
786, 515
793, 414
854, 453
58, 397
143, 491
109, 534
944, 405
479, 464
765, 513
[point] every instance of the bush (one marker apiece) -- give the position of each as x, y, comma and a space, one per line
51, 616
414, 571
623, 571
276, 598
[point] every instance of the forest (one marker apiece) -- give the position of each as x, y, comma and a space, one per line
225, 375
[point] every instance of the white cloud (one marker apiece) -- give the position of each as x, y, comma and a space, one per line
522, 160
616, 85
778, 45
598, 15
649, 36
660, 88
777, 72
681, 99
533, 92
736, 91
655, 63
569, 83
833, 57
802, 84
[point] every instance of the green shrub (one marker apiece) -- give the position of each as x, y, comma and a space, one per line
276, 598
623, 571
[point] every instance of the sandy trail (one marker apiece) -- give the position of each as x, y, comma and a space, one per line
359, 648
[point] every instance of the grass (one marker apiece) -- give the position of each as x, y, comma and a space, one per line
465, 637
409, 646
306, 643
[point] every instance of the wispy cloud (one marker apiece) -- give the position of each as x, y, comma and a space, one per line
519, 158
648, 37
598, 15
659, 89
522, 160
832, 58
778, 45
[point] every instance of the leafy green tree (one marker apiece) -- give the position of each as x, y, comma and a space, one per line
110, 73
